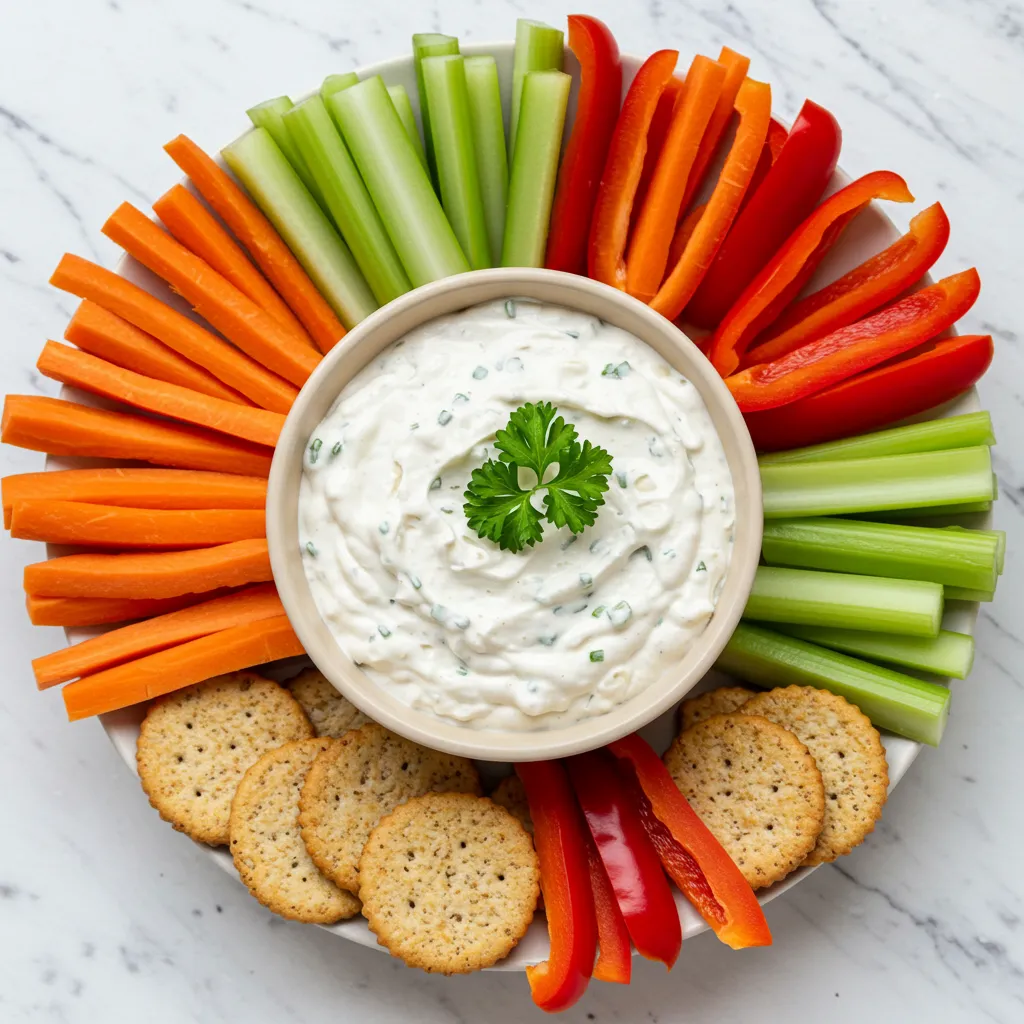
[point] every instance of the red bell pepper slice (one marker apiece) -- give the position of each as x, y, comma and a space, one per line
790, 191
622, 170
692, 856
597, 110
902, 387
560, 837
775, 282
891, 332
634, 870
864, 289
773, 144
615, 955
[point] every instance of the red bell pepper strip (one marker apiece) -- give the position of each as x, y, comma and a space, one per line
634, 870
890, 332
560, 837
787, 268
754, 105
597, 110
692, 856
864, 289
911, 384
656, 136
790, 191
773, 144
615, 956
622, 170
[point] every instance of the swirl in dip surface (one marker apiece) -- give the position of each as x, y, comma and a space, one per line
445, 620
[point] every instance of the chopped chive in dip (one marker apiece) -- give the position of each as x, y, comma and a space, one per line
415, 581
462, 670
645, 551
444, 417
622, 480
435, 484
514, 365
336, 450
620, 614
314, 449
384, 527
479, 373
460, 397
547, 641
384, 631
447, 510
597, 612
701, 567
311, 549
573, 334
414, 426
618, 371
568, 542
439, 613
510, 309
597, 655
461, 622
586, 579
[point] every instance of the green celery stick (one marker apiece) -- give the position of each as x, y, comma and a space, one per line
489, 142
270, 115
867, 485
347, 200
430, 44
948, 654
335, 83
892, 700
403, 107
531, 188
444, 81
397, 182
539, 47
273, 183
967, 594
844, 600
966, 431
899, 515
963, 558
998, 537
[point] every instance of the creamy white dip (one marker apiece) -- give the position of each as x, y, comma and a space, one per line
445, 620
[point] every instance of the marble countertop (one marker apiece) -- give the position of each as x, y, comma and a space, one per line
106, 914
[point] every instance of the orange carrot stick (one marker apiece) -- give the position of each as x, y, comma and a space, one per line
67, 428
649, 248
252, 643
156, 634
263, 243
98, 611
174, 329
114, 526
150, 574
81, 370
754, 104
212, 295
136, 488
198, 230
93, 329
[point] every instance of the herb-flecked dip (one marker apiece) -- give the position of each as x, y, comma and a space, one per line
446, 620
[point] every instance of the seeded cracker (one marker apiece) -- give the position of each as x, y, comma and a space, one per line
754, 784
196, 744
266, 844
723, 701
330, 712
449, 882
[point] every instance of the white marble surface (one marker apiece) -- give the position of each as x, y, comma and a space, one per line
106, 914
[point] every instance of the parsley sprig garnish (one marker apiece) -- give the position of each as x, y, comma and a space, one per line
535, 438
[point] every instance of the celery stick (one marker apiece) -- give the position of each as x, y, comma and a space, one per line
489, 141
531, 189
430, 44
346, 198
964, 558
403, 108
967, 594
966, 431
998, 537
539, 47
335, 83
948, 654
892, 700
270, 115
865, 485
277, 190
899, 515
444, 81
844, 600
397, 182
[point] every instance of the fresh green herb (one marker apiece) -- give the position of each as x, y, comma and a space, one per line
460, 397
384, 631
597, 612
384, 527
573, 334
621, 613
462, 670
314, 449
435, 484
510, 309
622, 480
444, 417
336, 450
416, 582
535, 438
617, 371
701, 567
597, 655
547, 641
586, 579
311, 549
479, 373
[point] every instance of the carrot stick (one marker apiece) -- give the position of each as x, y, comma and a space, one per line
212, 295
141, 638
174, 329
136, 488
737, 67
113, 526
652, 237
98, 611
150, 574
81, 370
263, 243
754, 104
93, 329
198, 230
67, 428
243, 646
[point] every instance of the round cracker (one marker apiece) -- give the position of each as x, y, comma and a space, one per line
510, 793
849, 754
756, 787
330, 712
723, 701
196, 744
360, 778
449, 882
266, 844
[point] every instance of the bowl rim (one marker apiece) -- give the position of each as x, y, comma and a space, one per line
363, 343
